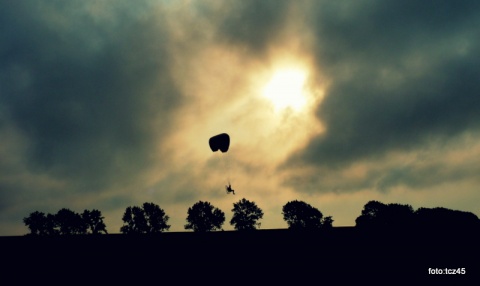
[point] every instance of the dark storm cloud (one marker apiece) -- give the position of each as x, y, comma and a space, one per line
88, 88
425, 176
404, 74
253, 24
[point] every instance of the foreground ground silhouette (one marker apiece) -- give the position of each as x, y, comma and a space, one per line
272, 255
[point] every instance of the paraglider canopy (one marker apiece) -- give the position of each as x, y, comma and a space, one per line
219, 142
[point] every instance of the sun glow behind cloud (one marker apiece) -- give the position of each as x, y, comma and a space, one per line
286, 89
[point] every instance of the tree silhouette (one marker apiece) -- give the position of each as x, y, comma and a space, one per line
36, 223
443, 218
302, 216
399, 215
51, 227
94, 222
149, 219
41, 224
379, 215
156, 218
203, 217
134, 221
69, 222
245, 215
371, 215
327, 222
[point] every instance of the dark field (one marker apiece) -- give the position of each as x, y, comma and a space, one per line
264, 255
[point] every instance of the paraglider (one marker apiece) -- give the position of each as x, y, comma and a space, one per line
221, 142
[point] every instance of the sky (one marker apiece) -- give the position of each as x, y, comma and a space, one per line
110, 104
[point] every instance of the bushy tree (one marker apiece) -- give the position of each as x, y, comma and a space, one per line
371, 215
36, 223
443, 218
379, 215
246, 215
203, 217
327, 222
149, 218
134, 221
94, 222
69, 222
301, 216
156, 218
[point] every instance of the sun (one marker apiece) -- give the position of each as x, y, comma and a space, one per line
285, 89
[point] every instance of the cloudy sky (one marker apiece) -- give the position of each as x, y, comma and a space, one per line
110, 104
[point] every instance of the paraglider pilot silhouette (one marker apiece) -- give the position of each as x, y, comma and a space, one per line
221, 142
229, 189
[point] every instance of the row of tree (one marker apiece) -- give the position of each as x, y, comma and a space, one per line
204, 217
65, 222
150, 218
